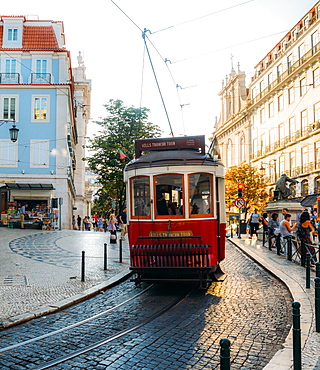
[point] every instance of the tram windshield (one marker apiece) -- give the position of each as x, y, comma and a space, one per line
169, 195
200, 189
141, 196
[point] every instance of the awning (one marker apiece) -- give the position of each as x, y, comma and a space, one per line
310, 200
18, 186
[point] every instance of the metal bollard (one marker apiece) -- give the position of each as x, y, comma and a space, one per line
318, 269
308, 270
263, 237
224, 354
120, 251
278, 244
296, 334
105, 257
82, 266
231, 233
270, 243
289, 247
317, 302
303, 254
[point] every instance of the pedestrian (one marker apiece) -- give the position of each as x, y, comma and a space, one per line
123, 222
273, 225
304, 233
85, 223
286, 228
95, 221
112, 228
265, 223
100, 223
74, 223
254, 222
79, 222
23, 214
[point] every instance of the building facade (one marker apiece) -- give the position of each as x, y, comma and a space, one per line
274, 124
50, 105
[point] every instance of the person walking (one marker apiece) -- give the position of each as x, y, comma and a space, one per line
112, 228
303, 233
254, 222
123, 222
74, 223
79, 222
23, 214
100, 223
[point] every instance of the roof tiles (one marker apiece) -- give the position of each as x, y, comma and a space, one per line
39, 37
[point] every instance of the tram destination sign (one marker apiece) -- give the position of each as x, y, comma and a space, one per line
239, 202
171, 143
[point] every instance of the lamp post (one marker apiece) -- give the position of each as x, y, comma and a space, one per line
274, 166
13, 130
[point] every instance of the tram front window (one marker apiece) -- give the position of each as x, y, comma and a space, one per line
169, 195
200, 190
141, 196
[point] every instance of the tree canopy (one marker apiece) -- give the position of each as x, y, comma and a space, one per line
122, 126
255, 188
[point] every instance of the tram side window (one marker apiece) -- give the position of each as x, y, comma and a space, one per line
169, 195
200, 194
141, 197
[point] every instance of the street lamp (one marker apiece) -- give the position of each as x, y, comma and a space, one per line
13, 130
274, 166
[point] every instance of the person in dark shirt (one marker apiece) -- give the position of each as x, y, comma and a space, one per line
123, 223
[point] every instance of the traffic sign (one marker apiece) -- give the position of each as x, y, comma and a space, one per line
239, 202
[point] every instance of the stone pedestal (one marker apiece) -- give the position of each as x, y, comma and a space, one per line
294, 209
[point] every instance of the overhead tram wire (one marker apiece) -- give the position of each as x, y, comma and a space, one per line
203, 16
155, 76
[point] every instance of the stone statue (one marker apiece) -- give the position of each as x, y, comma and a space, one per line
282, 190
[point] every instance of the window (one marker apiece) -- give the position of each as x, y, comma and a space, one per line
314, 41
304, 158
292, 162
279, 70
292, 127
254, 145
12, 34
303, 86
261, 86
317, 153
281, 132
140, 190
317, 184
272, 137
270, 109
304, 188
9, 108
304, 120
200, 195
269, 78
39, 153
301, 51
289, 61
291, 95
253, 93
169, 196
281, 164
40, 109
316, 77
280, 102
8, 153
316, 112
262, 115
263, 141
11, 68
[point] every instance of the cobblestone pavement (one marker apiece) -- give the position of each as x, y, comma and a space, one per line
251, 308
295, 277
39, 269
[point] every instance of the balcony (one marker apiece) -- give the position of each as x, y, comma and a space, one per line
9, 78
40, 78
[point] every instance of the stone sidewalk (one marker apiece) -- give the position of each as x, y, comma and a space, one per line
41, 270
294, 277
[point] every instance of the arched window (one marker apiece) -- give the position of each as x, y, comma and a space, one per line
304, 188
317, 184
229, 153
293, 188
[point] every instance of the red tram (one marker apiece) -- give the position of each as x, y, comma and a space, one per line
176, 211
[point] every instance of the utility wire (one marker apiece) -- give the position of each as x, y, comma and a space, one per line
201, 17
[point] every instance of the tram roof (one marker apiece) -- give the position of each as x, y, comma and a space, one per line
172, 158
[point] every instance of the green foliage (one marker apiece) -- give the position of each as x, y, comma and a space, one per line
255, 188
122, 126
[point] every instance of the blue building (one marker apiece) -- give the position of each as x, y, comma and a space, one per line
49, 103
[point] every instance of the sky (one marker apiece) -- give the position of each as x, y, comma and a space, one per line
201, 40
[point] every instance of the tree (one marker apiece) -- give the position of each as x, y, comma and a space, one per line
255, 188
120, 129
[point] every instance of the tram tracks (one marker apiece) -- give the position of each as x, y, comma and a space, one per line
95, 326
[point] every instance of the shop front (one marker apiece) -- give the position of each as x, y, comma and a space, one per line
31, 200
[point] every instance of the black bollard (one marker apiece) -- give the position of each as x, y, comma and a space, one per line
289, 249
224, 354
82, 266
105, 257
303, 253
270, 242
308, 270
278, 244
263, 237
318, 269
231, 234
317, 302
296, 333
120, 251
